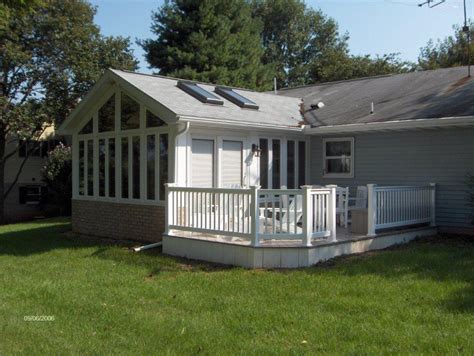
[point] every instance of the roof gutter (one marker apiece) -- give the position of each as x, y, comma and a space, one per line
393, 125
202, 121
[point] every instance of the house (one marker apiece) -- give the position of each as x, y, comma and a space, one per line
237, 159
23, 201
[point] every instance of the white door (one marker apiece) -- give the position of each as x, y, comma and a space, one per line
202, 163
231, 164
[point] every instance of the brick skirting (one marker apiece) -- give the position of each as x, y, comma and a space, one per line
118, 220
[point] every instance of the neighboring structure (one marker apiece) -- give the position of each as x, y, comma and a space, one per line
134, 132
24, 200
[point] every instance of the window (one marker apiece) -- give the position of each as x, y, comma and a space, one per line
31, 195
150, 167
199, 93
338, 154
107, 115
236, 98
136, 167
264, 163
276, 164
125, 167
111, 167
202, 163
102, 154
163, 164
130, 113
290, 165
81, 167
90, 167
231, 164
301, 163
153, 121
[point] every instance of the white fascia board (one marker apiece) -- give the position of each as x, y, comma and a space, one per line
219, 123
393, 125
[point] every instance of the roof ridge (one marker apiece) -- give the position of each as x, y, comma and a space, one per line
189, 80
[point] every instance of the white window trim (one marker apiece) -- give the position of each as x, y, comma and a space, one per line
338, 175
118, 134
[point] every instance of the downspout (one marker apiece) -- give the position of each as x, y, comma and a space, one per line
179, 133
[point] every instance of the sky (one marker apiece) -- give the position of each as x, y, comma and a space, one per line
375, 27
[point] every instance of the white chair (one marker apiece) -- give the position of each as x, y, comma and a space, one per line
342, 205
285, 219
360, 201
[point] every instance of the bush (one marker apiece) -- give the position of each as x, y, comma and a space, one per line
57, 174
470, 192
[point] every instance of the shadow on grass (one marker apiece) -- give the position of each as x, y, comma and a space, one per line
23, 240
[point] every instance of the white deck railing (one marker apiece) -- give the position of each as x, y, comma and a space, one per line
397, 206
253, 213
290, 214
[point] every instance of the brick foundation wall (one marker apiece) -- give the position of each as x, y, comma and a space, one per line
118, 221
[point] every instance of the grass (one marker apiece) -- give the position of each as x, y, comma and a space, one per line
414, 299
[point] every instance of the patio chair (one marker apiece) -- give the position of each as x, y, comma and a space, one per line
360, 201
342, 205
286, 219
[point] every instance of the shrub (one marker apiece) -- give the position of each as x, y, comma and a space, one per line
57, 174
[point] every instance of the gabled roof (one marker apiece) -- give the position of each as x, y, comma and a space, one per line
274, 111
418, 95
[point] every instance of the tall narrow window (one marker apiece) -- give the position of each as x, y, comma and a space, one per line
107, 115
290, 174
276, 164
111, 167
136, 167
163, 164
301, 163
102, 167
150, 167
125, 167
264, 163
81, 167
130, 114
90, 167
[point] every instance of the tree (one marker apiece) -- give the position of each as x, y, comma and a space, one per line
215, 41
51, 53
305, 46
57, 174
450, 52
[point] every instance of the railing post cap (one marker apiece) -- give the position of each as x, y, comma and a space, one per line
331, 186
433, 184
255, 187
306, 187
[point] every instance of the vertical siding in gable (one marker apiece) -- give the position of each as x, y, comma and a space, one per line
442, 156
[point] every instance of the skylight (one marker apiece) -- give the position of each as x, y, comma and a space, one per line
199, 93
236, 98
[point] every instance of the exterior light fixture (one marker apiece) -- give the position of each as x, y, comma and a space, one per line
256, 150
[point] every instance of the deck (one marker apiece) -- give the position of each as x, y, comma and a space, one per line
290, 228
283, 253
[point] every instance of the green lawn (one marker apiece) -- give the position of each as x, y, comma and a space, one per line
415, 299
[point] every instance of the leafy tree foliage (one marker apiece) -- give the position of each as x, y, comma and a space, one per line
450, 52
51, 53
214, 41
57, 174
305, 46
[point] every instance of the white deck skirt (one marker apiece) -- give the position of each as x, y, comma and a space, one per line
280, 255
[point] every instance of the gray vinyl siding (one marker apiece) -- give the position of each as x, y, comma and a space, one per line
444, 157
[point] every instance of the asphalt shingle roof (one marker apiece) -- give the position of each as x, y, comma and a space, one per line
417, 95
273, 110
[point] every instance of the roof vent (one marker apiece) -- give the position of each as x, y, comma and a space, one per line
236, 98
199, 93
